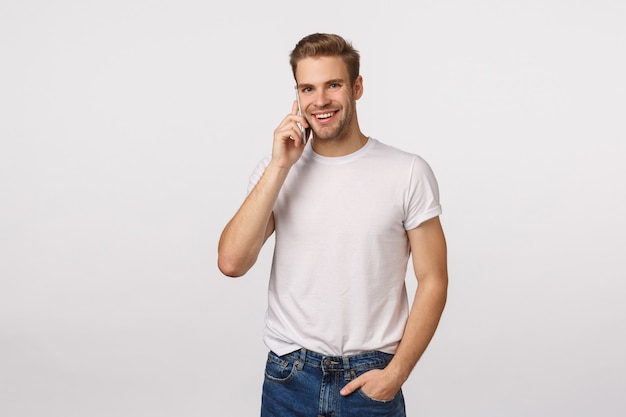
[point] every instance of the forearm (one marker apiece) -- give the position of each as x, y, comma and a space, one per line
244, 235
428, 305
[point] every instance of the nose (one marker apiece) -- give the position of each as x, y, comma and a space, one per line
321, 99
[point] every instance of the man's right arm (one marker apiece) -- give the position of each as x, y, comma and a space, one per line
244, 235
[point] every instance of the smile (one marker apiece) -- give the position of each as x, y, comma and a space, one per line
323, 116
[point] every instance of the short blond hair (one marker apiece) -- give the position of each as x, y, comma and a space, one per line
326, 44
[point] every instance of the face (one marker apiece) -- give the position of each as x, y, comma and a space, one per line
328, 100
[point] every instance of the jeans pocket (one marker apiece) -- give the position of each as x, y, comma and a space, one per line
281, 368
378, 364
375, 400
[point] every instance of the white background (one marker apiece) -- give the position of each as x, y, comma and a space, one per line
128, 130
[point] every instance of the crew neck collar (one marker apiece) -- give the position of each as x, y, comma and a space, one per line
333, 160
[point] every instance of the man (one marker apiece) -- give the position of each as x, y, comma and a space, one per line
347, 211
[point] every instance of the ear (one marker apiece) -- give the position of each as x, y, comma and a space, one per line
357, 90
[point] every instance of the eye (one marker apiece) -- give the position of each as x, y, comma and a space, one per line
334, 86
307, 89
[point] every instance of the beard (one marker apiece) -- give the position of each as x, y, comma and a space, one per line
339, 129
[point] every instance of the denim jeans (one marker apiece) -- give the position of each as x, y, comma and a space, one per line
307, 384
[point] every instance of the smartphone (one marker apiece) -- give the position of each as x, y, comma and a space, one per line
305, 132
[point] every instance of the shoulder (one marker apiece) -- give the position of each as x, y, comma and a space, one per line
395, 155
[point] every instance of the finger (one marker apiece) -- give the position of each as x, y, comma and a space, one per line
291, 132
352, 386
301, 119
297, 138
294, 108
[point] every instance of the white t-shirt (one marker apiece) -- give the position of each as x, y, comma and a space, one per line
337, 283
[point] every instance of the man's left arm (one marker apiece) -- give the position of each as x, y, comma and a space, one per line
429, 254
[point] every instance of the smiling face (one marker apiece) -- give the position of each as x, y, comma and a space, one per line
328, 100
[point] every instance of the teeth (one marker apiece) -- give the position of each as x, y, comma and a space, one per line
324, 116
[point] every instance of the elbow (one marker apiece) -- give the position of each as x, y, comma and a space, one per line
230, 267
436, 286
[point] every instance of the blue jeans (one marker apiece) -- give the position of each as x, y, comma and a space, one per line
307, 384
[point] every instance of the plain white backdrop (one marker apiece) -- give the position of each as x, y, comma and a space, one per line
128, 130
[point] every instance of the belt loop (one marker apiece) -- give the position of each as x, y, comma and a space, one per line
300, 362
346, 368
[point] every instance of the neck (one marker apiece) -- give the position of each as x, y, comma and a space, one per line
335, 148
340, 146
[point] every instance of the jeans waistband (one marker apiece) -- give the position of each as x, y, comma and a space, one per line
363, 360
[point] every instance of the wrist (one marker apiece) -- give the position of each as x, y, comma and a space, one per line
279, 167
397, 372
280, 163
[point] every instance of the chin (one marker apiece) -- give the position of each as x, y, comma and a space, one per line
329, 136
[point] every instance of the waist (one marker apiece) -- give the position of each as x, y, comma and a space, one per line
365, 360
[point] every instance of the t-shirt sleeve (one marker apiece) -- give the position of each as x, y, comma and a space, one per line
422, 200
257, 173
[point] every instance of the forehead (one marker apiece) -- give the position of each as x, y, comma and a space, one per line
318, 70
